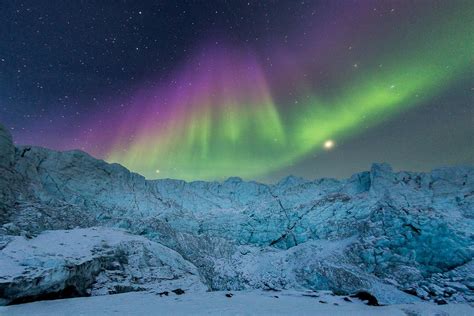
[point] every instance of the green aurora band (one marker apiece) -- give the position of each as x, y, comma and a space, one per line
231, 125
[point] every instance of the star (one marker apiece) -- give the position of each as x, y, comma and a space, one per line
329, 144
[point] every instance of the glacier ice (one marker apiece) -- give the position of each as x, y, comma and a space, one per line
390, 233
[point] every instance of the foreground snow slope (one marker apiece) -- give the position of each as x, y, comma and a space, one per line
216, 303
95, 261
390, 233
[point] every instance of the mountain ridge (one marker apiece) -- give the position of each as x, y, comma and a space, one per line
387, 232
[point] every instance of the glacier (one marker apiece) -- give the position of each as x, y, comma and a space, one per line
72, 225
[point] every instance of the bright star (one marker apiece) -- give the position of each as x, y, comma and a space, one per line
329, 144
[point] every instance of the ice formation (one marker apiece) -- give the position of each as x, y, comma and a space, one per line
72, 225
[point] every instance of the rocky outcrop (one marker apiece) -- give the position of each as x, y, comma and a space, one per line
389, 232
83, 262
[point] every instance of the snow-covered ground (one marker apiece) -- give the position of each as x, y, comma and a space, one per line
217, 303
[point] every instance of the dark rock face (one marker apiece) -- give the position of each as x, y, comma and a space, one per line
366, 296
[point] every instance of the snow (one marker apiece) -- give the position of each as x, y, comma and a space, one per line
216, 303
381, 231
94, 261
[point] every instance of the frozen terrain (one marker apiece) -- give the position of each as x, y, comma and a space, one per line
82, 262
217, 303
72, 225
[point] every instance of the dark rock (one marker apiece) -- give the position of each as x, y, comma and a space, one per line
310, 295
366, 296
24, 151
229, 294
410, 291
178, 291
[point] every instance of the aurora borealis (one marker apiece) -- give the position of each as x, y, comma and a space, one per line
232, 107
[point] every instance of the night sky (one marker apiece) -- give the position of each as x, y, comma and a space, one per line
256, 89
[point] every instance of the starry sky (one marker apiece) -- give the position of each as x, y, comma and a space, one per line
256, 89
